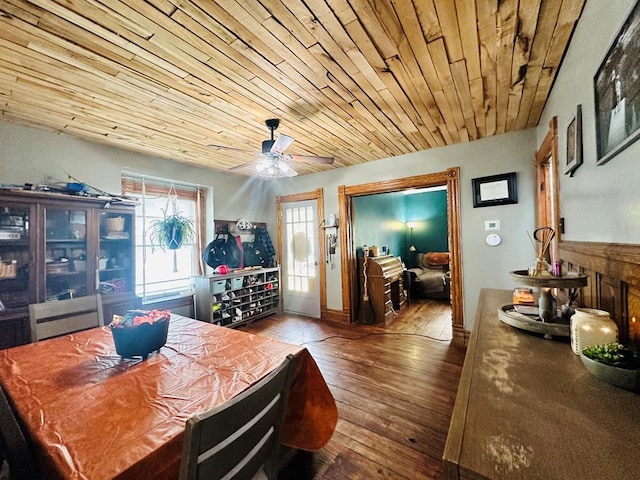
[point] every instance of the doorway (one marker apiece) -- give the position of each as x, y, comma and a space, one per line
300, 246
300, 260
450, 178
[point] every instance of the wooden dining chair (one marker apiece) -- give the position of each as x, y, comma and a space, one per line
239, 439
13, 444
52, 319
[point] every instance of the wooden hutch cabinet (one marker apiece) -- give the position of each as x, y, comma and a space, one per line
57, 246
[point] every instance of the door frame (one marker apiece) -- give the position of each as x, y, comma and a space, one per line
318, 196
547, 185
348, 258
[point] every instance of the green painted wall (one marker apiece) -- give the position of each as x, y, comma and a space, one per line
381, 220
429, 211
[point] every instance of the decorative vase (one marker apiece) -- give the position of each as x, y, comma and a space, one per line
540, 269
590, 326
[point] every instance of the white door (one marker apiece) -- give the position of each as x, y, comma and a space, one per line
300, 271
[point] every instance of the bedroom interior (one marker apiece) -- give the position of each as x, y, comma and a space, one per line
399, 95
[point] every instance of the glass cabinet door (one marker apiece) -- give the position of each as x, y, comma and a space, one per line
15, 256
66, 250
116, 265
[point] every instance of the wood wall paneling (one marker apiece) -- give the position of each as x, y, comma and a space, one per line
614, 281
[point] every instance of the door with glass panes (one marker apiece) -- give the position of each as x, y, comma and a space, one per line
300, 269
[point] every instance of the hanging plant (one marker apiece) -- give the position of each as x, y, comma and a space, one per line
172, 230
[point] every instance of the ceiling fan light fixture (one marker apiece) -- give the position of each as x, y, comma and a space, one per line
273, 166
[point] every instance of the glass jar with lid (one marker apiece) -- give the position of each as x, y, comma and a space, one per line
590, 326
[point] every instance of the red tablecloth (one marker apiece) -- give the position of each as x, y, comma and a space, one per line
93, 415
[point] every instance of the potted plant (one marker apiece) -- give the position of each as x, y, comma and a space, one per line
613, 363
171, 231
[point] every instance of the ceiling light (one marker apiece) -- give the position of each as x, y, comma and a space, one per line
271, 165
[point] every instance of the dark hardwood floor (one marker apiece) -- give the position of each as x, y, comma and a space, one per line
395, 388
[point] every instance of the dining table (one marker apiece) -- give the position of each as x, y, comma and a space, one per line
91, 414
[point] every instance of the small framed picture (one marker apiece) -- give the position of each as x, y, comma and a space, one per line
495, 190
574, 142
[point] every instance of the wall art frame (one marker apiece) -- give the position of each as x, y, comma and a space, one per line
495, 190
574, 142
617, 92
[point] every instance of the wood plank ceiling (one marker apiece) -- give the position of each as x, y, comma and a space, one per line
357, 80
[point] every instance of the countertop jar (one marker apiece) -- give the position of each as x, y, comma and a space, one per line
590, 326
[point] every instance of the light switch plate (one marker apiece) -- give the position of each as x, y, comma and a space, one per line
491, 225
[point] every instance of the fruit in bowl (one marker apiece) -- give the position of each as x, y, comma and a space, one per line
613, 363
140, 332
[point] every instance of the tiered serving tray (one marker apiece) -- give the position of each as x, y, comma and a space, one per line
557, 327
508, 314
568, 281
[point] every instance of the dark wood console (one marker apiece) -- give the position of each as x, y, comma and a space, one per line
527, 408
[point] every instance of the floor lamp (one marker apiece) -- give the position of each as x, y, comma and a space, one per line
411, 226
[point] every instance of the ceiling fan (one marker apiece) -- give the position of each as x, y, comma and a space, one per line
272, 161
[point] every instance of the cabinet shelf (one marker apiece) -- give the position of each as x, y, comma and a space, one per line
23, 242
65, 274
114, 240
239, 297
79, 241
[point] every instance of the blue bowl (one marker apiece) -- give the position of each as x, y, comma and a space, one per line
140, 340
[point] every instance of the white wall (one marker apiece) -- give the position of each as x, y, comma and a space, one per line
483, 266
599, 203
30, 155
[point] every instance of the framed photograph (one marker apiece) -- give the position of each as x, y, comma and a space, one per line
495, 190
617, 92
574, 142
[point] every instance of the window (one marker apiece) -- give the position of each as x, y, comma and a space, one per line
160, 272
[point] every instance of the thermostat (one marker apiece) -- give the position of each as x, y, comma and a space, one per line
492, 224
493, 239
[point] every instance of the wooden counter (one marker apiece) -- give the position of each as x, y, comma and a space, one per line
527, 408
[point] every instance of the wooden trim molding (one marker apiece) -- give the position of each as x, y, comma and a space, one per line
338, 316
547, 196
614, 281
450, 178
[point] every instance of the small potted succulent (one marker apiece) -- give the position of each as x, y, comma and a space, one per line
613, 363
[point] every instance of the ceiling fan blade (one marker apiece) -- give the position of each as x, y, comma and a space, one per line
281, 144
241, 166
312, 159
223, 147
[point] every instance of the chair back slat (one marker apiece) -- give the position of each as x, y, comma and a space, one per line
242, 436
52, 319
